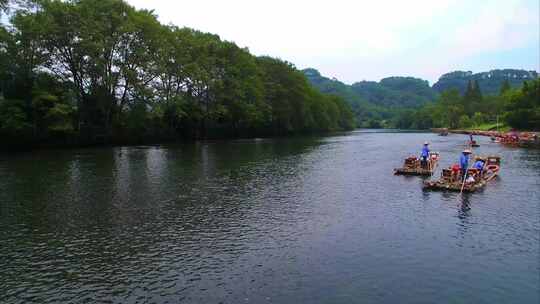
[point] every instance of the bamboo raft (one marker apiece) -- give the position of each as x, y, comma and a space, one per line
449, 181
474, 144
412, 166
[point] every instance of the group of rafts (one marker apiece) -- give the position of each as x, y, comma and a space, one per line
459, 177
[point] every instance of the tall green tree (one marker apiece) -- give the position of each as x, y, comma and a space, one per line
4, 4
505, 86
472, 97
93, 70
103, 48
523, 108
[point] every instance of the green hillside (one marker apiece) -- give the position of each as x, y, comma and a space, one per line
396, 92
489, 82
376, 103
457, 99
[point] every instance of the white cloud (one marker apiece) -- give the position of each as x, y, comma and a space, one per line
300, 27
492, 30
355, 40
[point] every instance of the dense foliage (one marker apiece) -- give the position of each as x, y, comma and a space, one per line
396, 92
517, 108
523, 106
101, 71
376, 103
489, 82
410, 103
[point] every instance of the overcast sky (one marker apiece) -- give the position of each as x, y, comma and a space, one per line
369, 40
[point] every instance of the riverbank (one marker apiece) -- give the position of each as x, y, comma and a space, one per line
491, 133
525, 139
520, 134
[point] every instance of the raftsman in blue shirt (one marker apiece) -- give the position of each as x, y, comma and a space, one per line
464, 161
425, 152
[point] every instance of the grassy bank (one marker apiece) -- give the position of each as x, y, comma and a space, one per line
490, 127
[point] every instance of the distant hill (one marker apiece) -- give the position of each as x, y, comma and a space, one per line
364, 112
389, 92
489, 82
375, 104
331, 86
396, 92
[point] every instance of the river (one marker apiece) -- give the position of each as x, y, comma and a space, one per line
301, 220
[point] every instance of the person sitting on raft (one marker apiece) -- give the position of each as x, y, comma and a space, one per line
470, 179
464, 162
424, 155
455, 172
479, 164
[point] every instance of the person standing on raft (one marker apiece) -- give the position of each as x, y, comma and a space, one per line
424, 155
464, 162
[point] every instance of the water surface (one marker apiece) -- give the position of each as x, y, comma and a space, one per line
313, 220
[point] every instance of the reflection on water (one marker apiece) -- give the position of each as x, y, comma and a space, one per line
316, 220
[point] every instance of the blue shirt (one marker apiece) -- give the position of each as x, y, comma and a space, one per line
425, 151
479, 165
464, 161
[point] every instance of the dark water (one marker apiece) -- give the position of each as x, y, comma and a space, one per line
265, 221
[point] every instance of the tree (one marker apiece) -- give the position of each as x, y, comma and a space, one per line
22, 56
451, 108
14, 122
103, 47
477, 93
4, 4
523, 107
464, 121
478, 118
105, 70
505, 86
472, 97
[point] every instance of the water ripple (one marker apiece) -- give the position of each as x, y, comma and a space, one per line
267, 221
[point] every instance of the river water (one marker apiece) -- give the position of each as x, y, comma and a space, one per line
303, 220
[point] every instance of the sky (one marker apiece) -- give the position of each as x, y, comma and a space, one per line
368, 40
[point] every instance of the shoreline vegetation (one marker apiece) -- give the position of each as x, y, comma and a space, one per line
85, 72
79, 73
511, 109
481, 132
523, 139
463, 100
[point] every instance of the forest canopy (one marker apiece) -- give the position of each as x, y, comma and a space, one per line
457, 100
517, 108
102, 71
